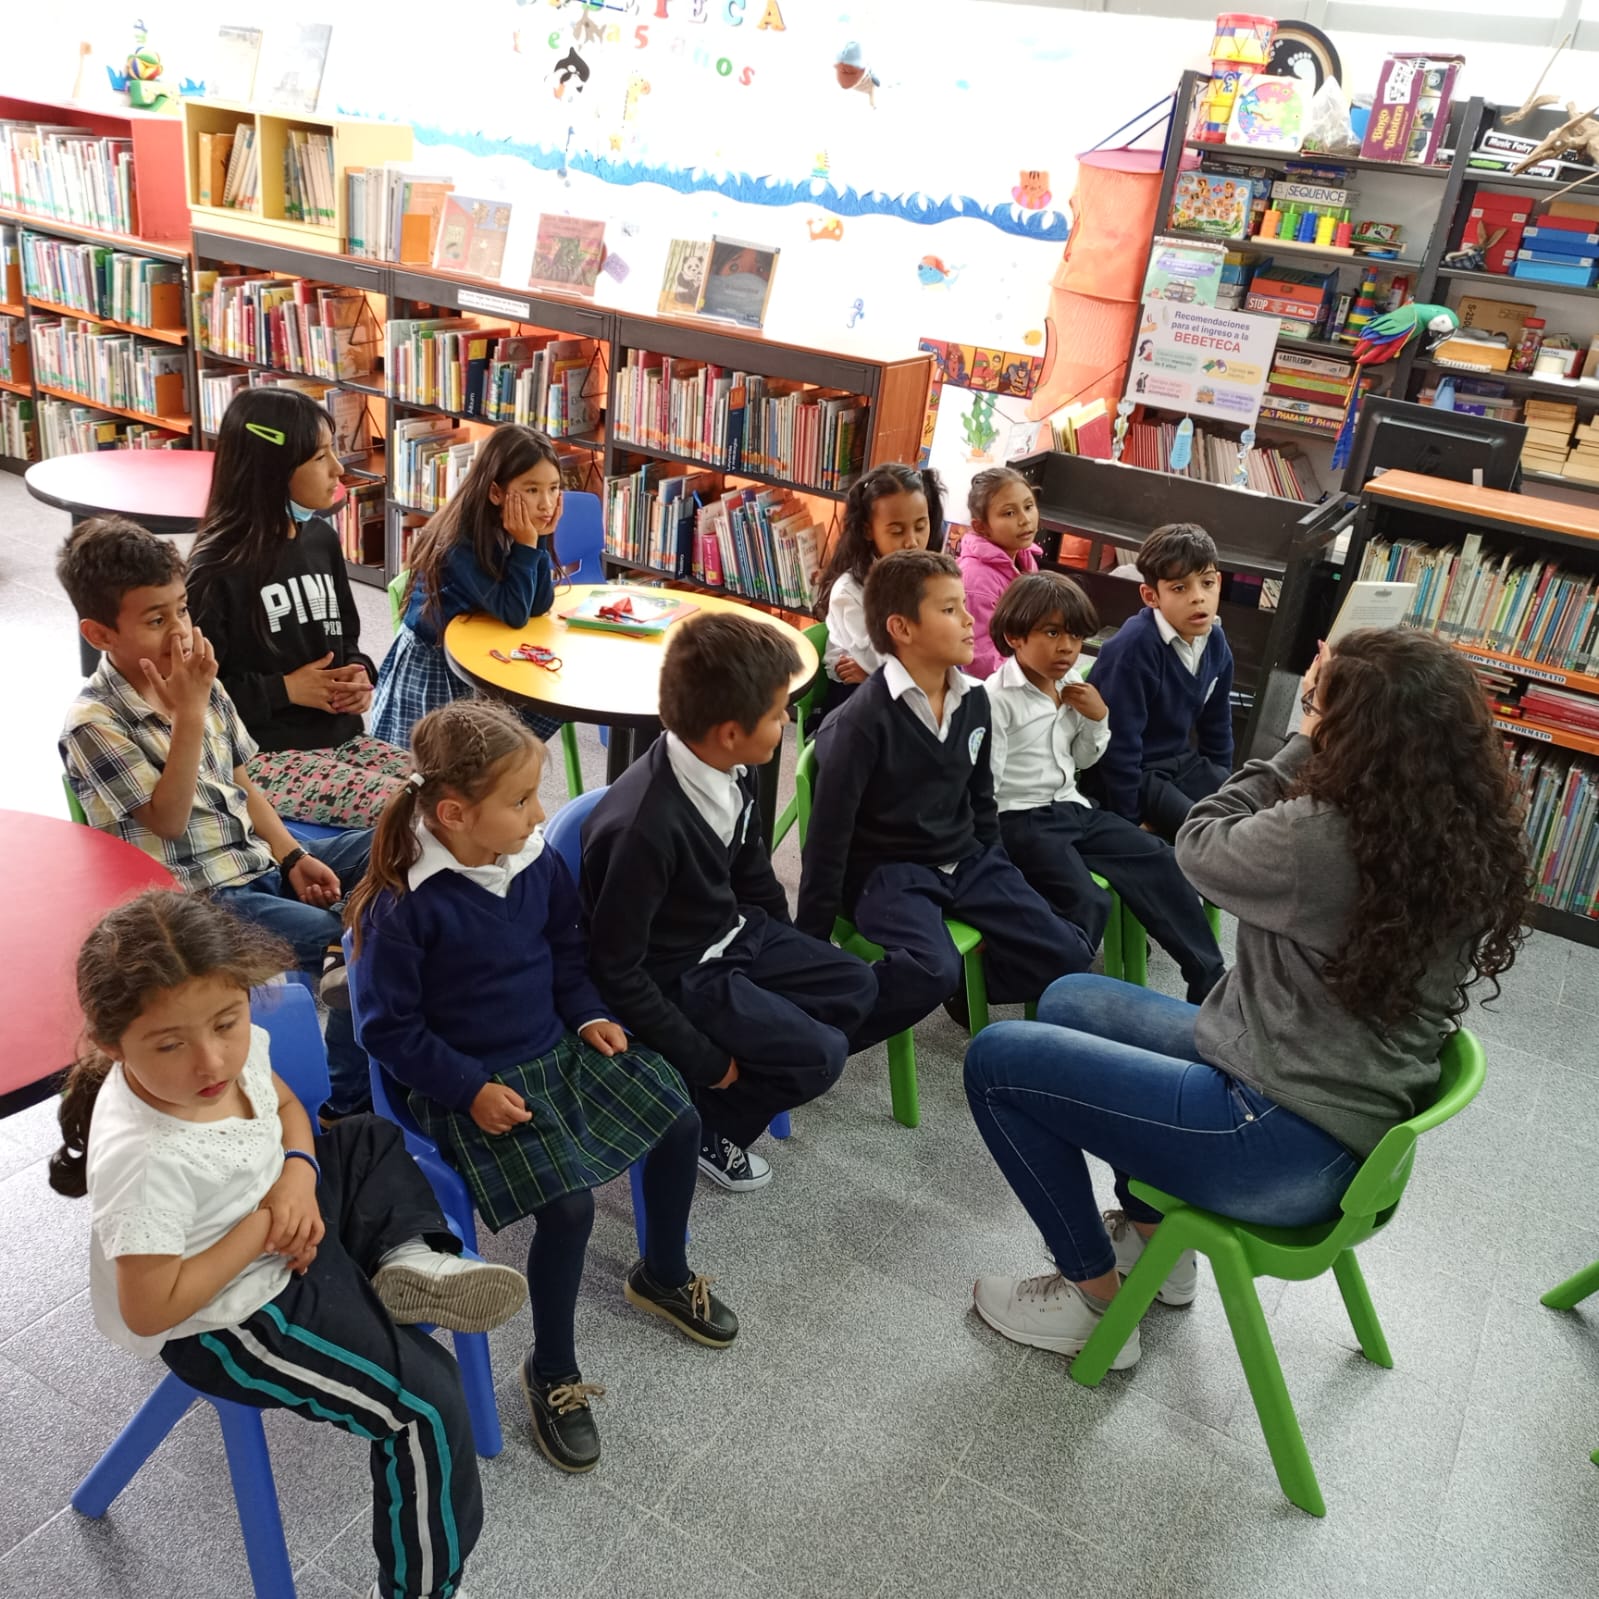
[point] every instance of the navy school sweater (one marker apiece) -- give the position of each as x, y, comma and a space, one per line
525, 588
660, 888
888, 791
1156, 704
457, 983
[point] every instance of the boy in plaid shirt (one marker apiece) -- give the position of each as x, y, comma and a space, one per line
155, 753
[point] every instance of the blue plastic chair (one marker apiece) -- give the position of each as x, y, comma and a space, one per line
564, 835
580, 537
311, 832
288, 1013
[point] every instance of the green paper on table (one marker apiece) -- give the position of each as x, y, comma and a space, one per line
623, 610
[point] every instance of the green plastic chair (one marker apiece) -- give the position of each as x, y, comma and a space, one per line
1568, 1295
74, 809
1239, 1252
574, 769
968, 942
804, 706
1135, 944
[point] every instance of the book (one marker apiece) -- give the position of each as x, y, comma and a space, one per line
472, 236
738, 282
640, 612
568, 254
1184, 271
288, 75
684, 279
214, 152
231, 73
417, 214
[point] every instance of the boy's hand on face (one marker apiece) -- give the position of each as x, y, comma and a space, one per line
185, 691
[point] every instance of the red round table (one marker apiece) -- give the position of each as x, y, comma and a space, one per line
57, 879
162, 490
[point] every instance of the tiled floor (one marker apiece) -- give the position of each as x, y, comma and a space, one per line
866, 1436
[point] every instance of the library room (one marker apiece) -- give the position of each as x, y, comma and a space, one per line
1013, 589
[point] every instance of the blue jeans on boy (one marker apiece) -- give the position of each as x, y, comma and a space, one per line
1111, 1070
270, 902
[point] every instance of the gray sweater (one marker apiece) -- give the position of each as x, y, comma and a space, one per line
1284, 869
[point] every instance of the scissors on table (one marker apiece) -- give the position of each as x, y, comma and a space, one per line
536, 654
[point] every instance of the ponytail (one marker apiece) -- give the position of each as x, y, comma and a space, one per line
459, 749
151, 945
69, 1166
853, 551
933, 489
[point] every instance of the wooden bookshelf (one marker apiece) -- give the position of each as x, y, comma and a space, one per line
164, 335
180, 425
356, 143
11, 386
1433, 511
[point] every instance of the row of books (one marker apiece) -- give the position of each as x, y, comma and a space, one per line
68, 174
1510, 602
350, 416
68, 429
650, 515
110, 367
1561, 794
429, 460
741, 421
553, 384
14, 364
18, 438
294, 324
393, 214
308, 177
104, 283
1309, 391
241, 168
358, 521
1279, 470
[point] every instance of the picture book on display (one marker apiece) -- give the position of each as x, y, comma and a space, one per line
289, 74
231, 74
568, 255
686, 261
472, 236
738, 282
643, 613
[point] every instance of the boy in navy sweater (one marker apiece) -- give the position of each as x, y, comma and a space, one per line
903, 827
690, 940
1167, 676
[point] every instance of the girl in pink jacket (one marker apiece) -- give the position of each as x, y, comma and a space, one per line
995, 551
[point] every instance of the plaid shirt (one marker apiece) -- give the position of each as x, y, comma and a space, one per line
115, 747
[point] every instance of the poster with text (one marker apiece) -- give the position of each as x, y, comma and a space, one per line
1201, 361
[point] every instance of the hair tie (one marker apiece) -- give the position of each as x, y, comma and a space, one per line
415, 780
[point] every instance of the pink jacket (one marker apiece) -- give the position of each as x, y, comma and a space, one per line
988, 571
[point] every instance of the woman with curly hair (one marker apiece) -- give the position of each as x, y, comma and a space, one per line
1378, 869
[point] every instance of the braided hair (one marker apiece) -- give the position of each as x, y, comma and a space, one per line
461, 750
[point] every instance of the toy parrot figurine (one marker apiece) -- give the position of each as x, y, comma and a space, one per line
1384, 339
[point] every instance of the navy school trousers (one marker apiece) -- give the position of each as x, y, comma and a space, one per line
902, 908
1167, 790
787, 1008
1059, 847
326, 1349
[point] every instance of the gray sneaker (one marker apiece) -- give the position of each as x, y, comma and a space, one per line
1181, 1284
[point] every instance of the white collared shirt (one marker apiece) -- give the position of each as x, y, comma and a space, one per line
716, 795
1189, 651
846, 628
1038, 747
902, 686
496, 877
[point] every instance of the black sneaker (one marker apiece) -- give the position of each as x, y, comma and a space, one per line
724, 1162
693, 1309
563, 1424
334, 989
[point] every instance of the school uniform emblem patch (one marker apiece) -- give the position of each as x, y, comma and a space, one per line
975, 743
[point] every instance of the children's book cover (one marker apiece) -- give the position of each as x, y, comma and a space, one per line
738, 282
568, 255
1187, 272
288, 76
472, 236
624, 610
684, 278
1205, 203
968, 367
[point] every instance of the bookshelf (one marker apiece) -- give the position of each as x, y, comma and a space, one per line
276, 217
1260, 539
1505, 578
357, 402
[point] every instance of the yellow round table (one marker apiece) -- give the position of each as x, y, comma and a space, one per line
607, 678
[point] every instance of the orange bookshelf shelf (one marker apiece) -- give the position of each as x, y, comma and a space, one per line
173, 424
8, 309
1555, 676
166, 335
11, 386
1543, 734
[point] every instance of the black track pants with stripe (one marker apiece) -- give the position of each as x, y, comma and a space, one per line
326, 1349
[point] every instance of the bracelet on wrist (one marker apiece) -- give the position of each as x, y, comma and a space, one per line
307, 1157
291, 860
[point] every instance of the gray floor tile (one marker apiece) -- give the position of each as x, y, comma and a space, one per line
312, 1582
662, 1559
1581, 990
113, 1386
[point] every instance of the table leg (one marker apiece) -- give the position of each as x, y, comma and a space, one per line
766, 796
626, 745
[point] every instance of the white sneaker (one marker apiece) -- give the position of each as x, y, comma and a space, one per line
418, 1284
1181, 1284
1047, 1312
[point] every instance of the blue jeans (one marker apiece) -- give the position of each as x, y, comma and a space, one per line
269, 901
1111, 1070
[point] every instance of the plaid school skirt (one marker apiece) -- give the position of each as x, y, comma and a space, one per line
593, 1116
415, 678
